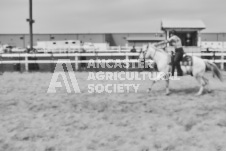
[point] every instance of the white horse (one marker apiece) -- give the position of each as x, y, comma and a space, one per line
199, 67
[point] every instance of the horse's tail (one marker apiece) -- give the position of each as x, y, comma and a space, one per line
213, 67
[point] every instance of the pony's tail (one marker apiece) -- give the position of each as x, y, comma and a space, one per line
213, 67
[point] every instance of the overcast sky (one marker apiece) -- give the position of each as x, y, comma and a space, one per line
94, 16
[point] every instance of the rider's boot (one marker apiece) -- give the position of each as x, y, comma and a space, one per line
173, 69
179, 70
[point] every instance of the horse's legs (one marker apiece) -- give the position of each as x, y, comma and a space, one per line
159, 77
202, 84
149, 89
206, 84
167, 87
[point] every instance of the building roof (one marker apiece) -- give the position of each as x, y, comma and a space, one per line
180, 24
145, 38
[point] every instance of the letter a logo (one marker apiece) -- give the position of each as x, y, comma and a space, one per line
59, 70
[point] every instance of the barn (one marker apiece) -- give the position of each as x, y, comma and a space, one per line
187, 30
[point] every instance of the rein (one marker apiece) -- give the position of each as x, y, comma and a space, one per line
152, 56
154, 52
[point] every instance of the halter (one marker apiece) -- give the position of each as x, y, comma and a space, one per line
147, 50
154, 54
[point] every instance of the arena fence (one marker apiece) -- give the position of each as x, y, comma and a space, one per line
75, 58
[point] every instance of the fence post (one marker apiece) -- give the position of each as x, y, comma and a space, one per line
26, 63
1, 66
127, 60
20, 63
76, 63
222, 59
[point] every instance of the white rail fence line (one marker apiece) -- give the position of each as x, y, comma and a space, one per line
57, 49
76, 56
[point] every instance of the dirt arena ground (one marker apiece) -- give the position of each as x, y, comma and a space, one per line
32, 120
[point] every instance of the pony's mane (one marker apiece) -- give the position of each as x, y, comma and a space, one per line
158, 49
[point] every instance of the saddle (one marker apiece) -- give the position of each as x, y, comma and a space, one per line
187, 60
187, 63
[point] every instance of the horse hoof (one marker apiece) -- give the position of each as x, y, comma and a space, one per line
197, 94
149, 90
167, 93
209, 91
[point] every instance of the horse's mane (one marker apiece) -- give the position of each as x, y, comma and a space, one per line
158, 49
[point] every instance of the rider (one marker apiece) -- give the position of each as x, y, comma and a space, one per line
175, 41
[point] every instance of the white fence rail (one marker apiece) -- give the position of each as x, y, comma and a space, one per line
23, 58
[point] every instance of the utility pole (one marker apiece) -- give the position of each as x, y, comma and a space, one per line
31, 21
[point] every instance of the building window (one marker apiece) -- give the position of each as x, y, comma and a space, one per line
73, 42
54, 43
66, 42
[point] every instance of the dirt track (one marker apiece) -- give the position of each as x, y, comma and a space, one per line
33, 120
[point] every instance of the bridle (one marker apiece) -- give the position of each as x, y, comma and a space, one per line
154, 54
144, 53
